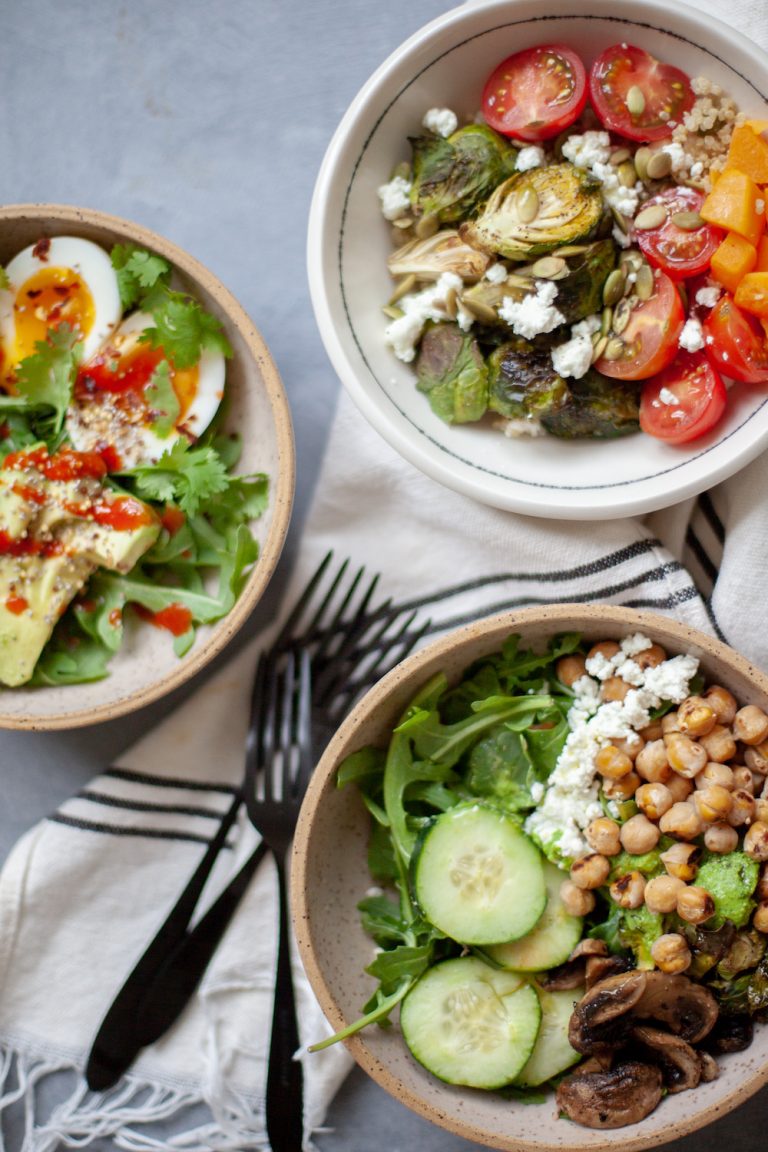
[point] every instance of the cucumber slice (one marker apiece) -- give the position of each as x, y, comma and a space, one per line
471, 1024
477, 876
552, 1053
552, 939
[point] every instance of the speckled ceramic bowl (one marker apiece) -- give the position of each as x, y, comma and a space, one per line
146, 666
445, 64
330, 876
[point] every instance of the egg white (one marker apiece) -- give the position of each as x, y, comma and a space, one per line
135, 442
91, 263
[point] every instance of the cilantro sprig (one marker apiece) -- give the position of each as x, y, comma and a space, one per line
189, 477
137, 271
44, 381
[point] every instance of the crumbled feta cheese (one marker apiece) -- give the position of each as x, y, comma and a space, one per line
600, 666
527, 426
621, 237
708, 296
403, 334
395, 198
497, 274
667, 397
574, 357
697, 170
441, 121
681, 161
592, 150
530, 157
588, 326
635, 644
669, 680
537, 791
535, 313
692, 335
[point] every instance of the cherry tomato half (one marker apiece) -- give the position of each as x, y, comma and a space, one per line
736, 343
680, 252
625, 76
651, 337
684, 401
536, 93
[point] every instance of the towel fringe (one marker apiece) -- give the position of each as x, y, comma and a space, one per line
119, 1113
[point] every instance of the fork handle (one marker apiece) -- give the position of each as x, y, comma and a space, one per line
285, 1110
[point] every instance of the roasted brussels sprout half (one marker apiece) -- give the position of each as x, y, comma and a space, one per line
452, 177
534, 212
522, 384
595, 408
451, 371
443, 252
580, 291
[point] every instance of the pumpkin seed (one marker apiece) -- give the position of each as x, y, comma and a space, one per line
644, 282
630, 260
688, 221
426, 227
621, 220
403, 288
527, 205
651, 217
400, 236
619, 156
515, 281
614, 349
659, 165
479, 310
402, 222
605, 325
642, 156
635, 101
571, 250
549, 268
613, 289
599, 347
621, 315
392, 312
627, 174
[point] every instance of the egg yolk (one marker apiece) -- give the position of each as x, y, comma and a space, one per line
131, 371
49, 298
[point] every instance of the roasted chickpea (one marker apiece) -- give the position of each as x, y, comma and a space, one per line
719, 744
654, 800
681, 820
629, 746
603, 835
661, 893
756, 841
605, 648
622, 789
671, 953
650, 657
576, 901
761, 810
652, 763
712, 804
652, 732
569, 669
721, 838
750, 725
639, 835
760, 917
761, 891
611, 763
614, 688
742, 808
670, 723
715, 773
742, 779
628, 890
695, 717
682, 861
756, 758
680, 787
685, 756
723, 702
695, 904
590, 871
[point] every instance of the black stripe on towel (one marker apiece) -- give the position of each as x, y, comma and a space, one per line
707, 565
117, 830
146, 805
169, 781
715, 523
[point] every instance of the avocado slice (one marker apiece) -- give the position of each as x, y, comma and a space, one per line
47, 554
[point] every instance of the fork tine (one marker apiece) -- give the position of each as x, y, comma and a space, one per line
304, 723
285, 705
254, 751
331, 630
340, 700
284, 636
378, 645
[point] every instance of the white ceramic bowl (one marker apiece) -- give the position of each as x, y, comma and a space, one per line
445, 64
146, 667
330, 876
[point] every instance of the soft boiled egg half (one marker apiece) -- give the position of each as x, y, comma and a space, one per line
131, 403
61, 280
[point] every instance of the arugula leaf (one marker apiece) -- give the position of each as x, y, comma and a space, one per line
44, 380
15, 433
70, 657
162, 401
185, 476
137, 270
5, 282
183, 328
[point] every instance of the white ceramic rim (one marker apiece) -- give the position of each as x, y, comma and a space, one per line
694, 475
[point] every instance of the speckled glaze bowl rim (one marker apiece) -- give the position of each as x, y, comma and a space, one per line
413, 671
281, 485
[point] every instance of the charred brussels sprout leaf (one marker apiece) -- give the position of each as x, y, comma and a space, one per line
452, 177
443, 252
451, 370
522, 383
536, 211
580, 292
595, 408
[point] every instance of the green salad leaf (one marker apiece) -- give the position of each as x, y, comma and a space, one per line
44, 381
189, 477
137, 271
182, 328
